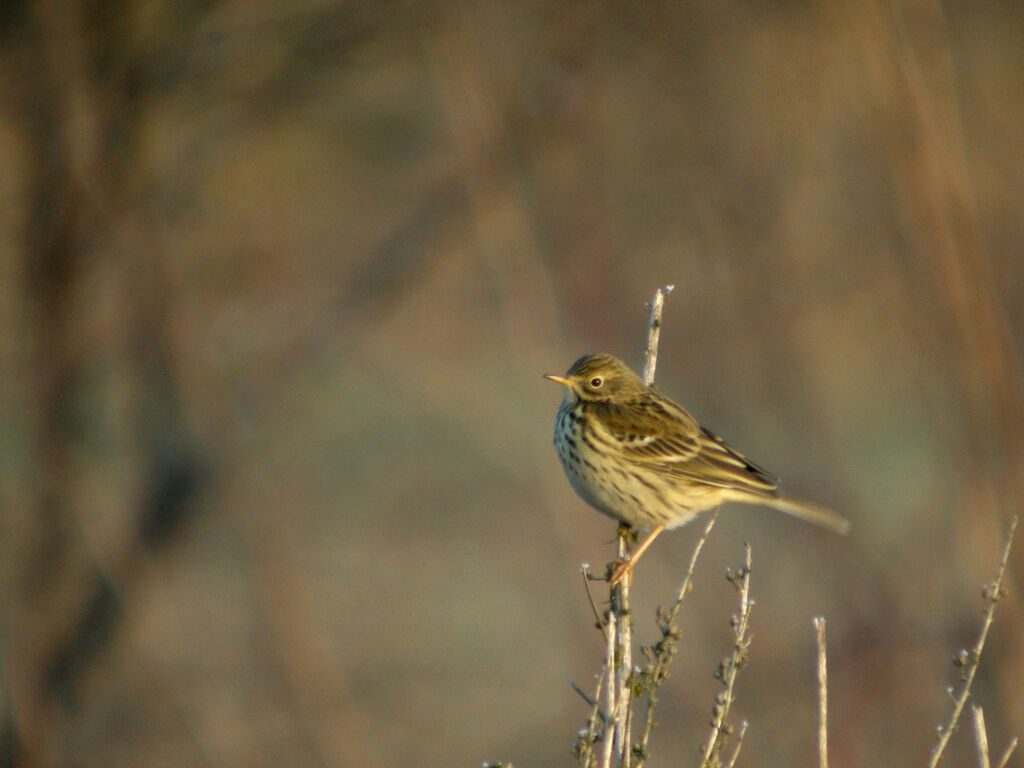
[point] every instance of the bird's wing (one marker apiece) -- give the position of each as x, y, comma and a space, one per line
663, 437
651, 433
718, 464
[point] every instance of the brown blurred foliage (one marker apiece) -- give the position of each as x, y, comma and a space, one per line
278, 284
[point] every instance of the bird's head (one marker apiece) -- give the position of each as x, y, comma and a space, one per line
600, 377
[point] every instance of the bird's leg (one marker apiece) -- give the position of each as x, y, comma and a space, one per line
626, 566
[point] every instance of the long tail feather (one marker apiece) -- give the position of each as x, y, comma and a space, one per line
812, 513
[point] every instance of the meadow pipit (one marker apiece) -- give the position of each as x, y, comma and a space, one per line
640, 458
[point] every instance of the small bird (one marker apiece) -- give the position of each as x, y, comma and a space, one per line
640, 458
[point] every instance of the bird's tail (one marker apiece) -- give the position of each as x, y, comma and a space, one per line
812, 513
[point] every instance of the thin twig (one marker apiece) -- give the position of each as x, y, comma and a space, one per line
981, 739
730, 666
583, 749
583, 695
654, 333
1007, 753
623, 644
739, 743
618, 627
819, 628
599, 622
621, 597
687, 586
980, 736
969, 660
659, 656
611, 705
616, 680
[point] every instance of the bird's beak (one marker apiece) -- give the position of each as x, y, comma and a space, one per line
558, 379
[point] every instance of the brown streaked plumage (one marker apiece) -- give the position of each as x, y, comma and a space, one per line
640, 458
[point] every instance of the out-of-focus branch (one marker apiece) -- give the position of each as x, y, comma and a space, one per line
968, 660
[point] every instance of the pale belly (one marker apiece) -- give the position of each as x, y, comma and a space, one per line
641, 498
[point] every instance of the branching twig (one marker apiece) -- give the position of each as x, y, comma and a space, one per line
730, 666
619, 684
619, 623
583, 749
968, 661
660, 655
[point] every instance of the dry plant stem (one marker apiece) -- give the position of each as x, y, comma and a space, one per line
991, 594
739, 743
611, 690
1007, 753
598, 723
623, 643
819, 628
650, 363
583, 695
730, 667
585, 741
687, 586
618, 635
654, 333
661, 654
981, 739
981, 736
598, 621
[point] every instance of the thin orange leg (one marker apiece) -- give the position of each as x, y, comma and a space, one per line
625, 568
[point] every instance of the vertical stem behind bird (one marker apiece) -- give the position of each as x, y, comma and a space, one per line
620, 636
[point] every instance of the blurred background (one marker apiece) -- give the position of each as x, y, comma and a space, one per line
278, 282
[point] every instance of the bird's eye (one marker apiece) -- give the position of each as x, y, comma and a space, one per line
596, 382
